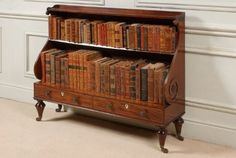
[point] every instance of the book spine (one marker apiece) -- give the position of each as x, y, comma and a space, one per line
62, 29
58, 28
121, 36
133, 82
138, 37
70, 68
138, 84
112, 81
142, 37
53, 73
102, 79
67, 29
48, 69
122, 82
144, 85
50, 27
97, 76
72, 30
88, 27
127, 82
107, 79
66, 73
54, 27
43, 61
150, 38
157, 42
62, 66
58, 72
89, 72
124, 33
162, 39
117, 36
81, 71
156, 85
150, 85
145, 38
131, 37
118, 81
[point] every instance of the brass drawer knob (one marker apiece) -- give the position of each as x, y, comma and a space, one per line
47, 93
126, 106
109, 106
143, 113
62, 94
75, 100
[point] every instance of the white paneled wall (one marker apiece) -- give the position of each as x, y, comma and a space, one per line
210, 57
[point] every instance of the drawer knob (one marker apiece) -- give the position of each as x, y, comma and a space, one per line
62, 94
110, 106
75, 100
47, 93
143, 113
126, 106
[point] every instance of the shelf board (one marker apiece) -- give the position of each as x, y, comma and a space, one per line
112, 48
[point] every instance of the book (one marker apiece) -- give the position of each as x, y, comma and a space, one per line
144, 82
58, 67
62, 33
44, 63
158, 72
53, 66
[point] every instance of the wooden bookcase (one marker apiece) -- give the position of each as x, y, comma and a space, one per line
158, 115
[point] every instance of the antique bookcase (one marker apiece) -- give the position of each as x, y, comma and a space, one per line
158, 115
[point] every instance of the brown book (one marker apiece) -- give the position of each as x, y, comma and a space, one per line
158, 72
138, 81
118, 78
58, 68
156, 38
58, 28
99, 33
127, 80
53, 66
70, 69
118, 35
48, 69
125, 28
144, 82
62, 30
98, 74
67, 29
44, 62
66, 72
150, 83
150, 37
95, 31
50, 27
131, 36
72, 30
123, 77
107, 76
54, 27
103, 76
132, 79
92, 55
163, 38
62, 73
113, 79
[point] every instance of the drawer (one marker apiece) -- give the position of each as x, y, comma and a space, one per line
61, 96
140, 112
105, 105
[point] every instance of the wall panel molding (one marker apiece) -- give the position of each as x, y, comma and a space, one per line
27, 72
88, 2
210, 52
0, 49
34, 17
210, 5
196, 103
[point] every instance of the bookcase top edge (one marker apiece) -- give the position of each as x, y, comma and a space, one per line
103, 11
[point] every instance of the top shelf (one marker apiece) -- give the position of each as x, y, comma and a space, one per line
150, 14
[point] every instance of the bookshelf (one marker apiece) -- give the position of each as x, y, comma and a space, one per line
151, 94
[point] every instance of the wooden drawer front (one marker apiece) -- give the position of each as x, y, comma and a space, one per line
105, 105
50, 94
140, 112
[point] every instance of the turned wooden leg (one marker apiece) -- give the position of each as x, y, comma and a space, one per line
162, 138
40, 107
59, 108
178, 126
65, 108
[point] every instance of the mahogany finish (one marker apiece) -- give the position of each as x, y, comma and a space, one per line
147, 113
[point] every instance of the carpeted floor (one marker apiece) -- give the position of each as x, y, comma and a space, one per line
65, 135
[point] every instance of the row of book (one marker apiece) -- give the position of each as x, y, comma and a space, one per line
88, 71
136, 36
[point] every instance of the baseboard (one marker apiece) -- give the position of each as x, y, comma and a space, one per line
206, 124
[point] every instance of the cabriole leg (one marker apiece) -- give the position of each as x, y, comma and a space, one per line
162, 138
178, 126
40, 105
